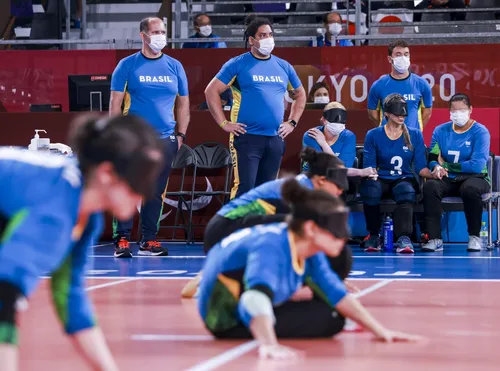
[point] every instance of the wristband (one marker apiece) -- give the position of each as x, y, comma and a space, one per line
183, 136
223, 123
293, 123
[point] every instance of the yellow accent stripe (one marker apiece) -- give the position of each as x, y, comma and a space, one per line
270, 209
232, 285
234, 158
235, 109
386, 133
420, 109
380, 113
299, 266
127, 101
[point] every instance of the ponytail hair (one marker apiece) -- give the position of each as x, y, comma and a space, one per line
127, 142
406, 136
319, 162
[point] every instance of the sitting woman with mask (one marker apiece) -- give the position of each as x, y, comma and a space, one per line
458, 156
251, 276
399, 154
319, 94
332, 22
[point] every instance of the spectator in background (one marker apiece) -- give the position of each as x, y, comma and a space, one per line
415, 90
203, 26
319, 94
459, 154
226, 100
441, 4
332, 23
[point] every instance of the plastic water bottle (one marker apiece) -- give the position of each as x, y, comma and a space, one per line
388, 229
484, 235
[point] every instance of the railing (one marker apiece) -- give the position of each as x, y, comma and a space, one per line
176, 40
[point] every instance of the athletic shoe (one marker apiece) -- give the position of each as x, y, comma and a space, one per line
373, 244
404, 246
474, 244
122, 248
433, 245
152, 248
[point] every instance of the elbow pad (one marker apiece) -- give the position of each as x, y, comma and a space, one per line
256, 303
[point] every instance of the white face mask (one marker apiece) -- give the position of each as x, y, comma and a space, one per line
401, 64
206, 30
157, 43
335, 28
323, 99
266, 46
334, 128
460, 118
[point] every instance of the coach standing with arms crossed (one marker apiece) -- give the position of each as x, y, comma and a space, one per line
150, 83
259, 82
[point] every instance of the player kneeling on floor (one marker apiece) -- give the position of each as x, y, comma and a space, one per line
52, 210
250, 276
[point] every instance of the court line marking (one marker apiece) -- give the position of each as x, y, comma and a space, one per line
155, 257
171, 337
240, 350
117, 282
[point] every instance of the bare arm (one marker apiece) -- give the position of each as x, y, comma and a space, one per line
183, 116
374, 116
212, 95
115, 103
93, 348
298, 105
426, 115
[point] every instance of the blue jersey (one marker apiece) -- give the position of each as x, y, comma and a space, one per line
259, 87
262, 256
466, 152
344, 147
392, 158
262, 200
322, 41
202, 44
151, 87
40, 197
414, 89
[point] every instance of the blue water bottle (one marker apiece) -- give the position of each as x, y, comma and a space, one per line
388, 229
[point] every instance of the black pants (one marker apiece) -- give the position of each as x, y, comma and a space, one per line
469, 190
297, 319
256, 160
219, 227
151, 209
402, 191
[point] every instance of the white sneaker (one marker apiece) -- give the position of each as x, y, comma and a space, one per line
474, 244
434, 245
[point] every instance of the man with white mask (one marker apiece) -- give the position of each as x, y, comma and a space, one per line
259, 81
332, 23
203, 27
150, 84
415, 90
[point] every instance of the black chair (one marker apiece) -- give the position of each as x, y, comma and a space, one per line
212, 156
183, 161
495, 187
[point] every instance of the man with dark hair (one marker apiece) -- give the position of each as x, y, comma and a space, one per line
259, 82
203, 27
150, 84
415, 90
332, 22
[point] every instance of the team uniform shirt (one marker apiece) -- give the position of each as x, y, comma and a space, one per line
391, 157
262, 200
259, 87
344, 147
151, 87
463, 153
414, 89
262, 256
40, 197
322, 41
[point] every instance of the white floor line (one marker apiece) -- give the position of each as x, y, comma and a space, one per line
240, 350
153, 257
117, 282
165, 337
421, 257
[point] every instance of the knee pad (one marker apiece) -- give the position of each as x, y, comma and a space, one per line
371, 192
404, 193
11, 301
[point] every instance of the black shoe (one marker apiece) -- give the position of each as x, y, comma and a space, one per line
122, 248
152, 248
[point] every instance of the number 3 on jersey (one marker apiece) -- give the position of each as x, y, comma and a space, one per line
397, 161
455, 154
